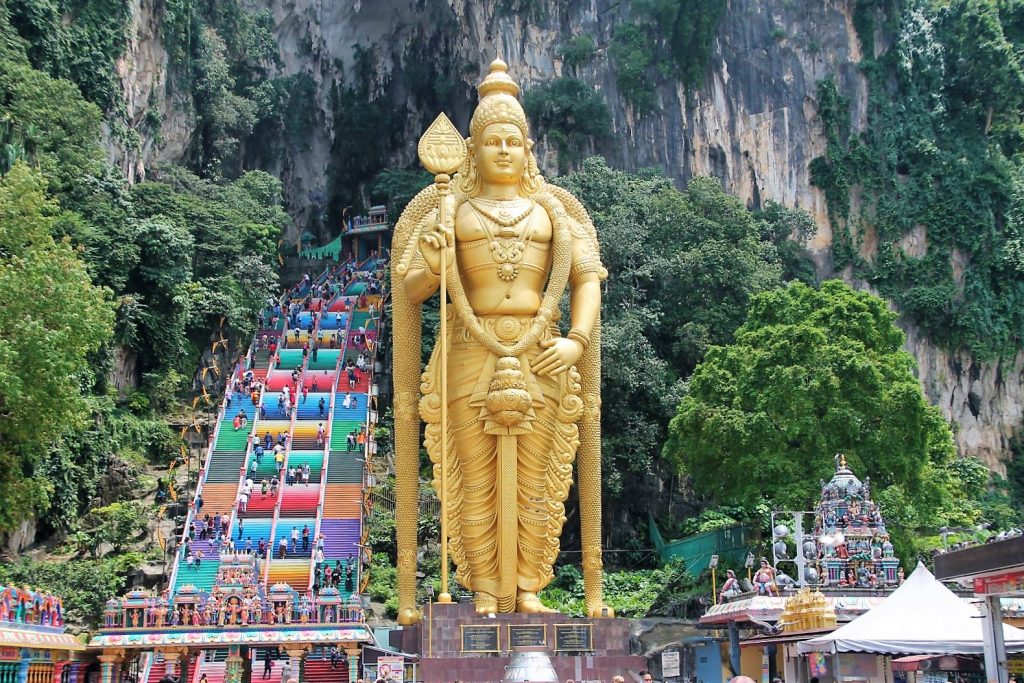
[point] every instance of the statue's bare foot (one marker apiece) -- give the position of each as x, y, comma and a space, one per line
529, 603
485, 603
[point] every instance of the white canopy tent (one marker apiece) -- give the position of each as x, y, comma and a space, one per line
920, 617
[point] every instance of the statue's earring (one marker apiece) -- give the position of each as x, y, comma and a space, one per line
467, 170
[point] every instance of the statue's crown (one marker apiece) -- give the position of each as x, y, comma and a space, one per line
498, 81
498, 103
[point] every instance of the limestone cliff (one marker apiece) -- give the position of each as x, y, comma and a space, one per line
753, 124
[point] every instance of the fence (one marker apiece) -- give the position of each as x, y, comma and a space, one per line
383, 500
731, 545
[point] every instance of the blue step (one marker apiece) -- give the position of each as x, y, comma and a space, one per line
310, 410
356, 413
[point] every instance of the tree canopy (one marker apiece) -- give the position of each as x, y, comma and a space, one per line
682, 268
812, 373
51, 317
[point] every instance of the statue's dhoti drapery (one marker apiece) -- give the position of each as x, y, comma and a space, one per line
507, 483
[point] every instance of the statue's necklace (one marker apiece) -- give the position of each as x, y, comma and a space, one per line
509, 246
505, 218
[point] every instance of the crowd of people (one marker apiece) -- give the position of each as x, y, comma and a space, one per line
304, 308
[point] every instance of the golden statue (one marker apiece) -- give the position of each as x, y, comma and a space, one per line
521, 402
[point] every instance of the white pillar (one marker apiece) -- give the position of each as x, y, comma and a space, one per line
995, 648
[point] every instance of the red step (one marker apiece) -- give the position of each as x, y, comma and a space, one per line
300, 499
320, 671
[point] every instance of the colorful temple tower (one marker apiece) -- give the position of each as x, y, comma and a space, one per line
856, 551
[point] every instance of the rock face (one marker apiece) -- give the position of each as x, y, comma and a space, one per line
753, 124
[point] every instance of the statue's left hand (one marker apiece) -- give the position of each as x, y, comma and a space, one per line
559, 355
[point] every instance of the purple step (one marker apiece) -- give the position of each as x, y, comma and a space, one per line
341, 537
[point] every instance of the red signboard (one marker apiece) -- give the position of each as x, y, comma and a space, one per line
1000, 584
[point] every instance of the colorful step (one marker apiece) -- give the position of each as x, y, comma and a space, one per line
300, 500
343, 501
344, 468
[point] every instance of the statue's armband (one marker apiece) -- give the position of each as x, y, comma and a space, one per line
585, 258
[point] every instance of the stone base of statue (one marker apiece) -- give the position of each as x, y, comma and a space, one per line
454, 643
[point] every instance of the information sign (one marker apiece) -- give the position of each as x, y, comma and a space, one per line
574, 637
527, 635
480, 638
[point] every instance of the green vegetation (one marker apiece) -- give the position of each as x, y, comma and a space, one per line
94, 269
531, 10
633, 57
359, 116
811, 373
52, 317
84, 584
666, 591
82, 51
684, 266
578, 52
941, 162
571, 115
675, 36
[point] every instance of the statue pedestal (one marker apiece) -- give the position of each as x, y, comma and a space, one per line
456, 644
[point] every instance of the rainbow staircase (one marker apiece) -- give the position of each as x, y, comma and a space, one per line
313, 435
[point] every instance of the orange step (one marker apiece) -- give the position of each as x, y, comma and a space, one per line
218, 498
342, 501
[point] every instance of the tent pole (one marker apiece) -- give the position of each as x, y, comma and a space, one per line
992, 634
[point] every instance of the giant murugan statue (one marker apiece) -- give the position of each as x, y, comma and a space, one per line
522, 400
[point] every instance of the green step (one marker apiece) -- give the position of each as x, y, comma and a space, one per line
314, 458
290, 359
344, 468
266, 469
203, 578
230, 440
326, 359
339, 433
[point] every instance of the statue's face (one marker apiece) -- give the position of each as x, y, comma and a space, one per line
500, 154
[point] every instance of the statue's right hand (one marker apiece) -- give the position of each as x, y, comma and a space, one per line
433, 240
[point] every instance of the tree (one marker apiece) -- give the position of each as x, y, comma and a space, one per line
51, 317
570, 114
812, 373
118, 524
682, 268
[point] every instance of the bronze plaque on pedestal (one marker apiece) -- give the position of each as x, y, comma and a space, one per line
574, 637
527, 635
480, 638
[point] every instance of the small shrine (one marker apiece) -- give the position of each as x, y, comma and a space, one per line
831, 565
807, 611
238, 611
852, 543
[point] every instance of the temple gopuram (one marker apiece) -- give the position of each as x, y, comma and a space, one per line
829, 566
33, 645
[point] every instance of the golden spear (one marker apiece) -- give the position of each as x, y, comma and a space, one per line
441, 151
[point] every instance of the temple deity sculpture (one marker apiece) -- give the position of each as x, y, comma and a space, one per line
764, 579
523, 396
730, 588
